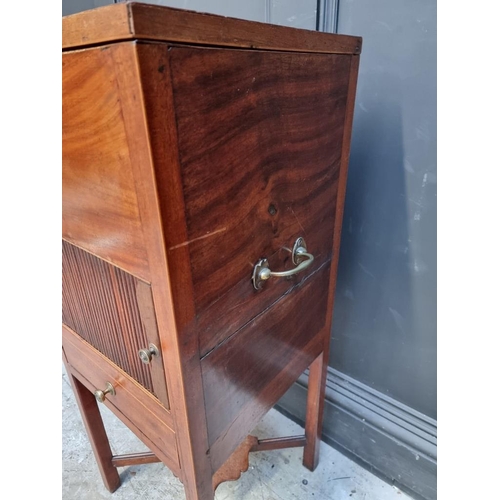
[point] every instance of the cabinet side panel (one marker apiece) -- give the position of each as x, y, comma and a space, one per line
99, 202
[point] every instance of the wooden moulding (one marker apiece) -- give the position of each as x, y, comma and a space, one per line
137, 21
134, 459
237, 463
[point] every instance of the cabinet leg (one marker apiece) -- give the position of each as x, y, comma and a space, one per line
314, 415
96, 432
201, 490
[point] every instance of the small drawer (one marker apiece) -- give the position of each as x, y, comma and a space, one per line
131, 403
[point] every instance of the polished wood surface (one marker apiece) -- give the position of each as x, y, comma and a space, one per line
253, 185
99, 201
184, 164
149, 22
249, 373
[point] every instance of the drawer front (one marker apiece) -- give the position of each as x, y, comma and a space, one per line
114, 312
131, 403
245, 376
260, 138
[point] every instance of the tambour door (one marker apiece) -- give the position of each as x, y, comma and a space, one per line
114, 312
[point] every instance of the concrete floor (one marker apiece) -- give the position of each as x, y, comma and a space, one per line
273, 475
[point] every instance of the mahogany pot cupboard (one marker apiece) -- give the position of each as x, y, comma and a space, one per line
204, 172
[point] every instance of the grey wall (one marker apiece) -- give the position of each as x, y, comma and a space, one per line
384, 331
74, 6
296, 13
380, 406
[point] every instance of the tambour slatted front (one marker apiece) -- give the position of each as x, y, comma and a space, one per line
204, 173
100, 304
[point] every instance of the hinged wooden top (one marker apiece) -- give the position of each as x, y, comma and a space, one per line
138, 21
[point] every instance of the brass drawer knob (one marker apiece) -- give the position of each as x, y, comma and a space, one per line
101, 395
146, 355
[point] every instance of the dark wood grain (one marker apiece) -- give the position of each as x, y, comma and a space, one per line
247, 374
260, 138
96, 432
99, 202
151, 22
